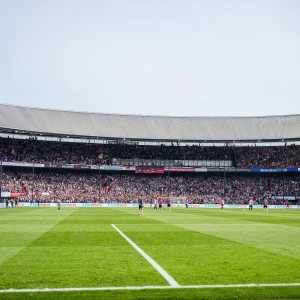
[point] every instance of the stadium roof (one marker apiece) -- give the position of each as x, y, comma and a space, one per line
28, 120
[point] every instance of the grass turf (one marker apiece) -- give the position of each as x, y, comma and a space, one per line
77, 247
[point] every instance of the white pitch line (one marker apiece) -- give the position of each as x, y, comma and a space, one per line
151, 287
168, 277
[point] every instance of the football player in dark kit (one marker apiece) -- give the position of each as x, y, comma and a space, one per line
160, 206
141, 207
265, 207
169, 205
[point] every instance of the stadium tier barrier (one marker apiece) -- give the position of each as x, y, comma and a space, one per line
243, 206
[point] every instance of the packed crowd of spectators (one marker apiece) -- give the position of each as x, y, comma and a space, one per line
85, 187
267, 156
60, 152
171, 152
54, 152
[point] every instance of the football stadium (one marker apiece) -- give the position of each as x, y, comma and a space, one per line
109, 206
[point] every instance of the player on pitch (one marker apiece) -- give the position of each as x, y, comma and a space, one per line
250, 205
222, 203
155, 204
169, 205
159, 206
141, 207
265, 205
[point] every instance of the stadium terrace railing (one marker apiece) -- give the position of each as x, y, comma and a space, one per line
164, 168
171, 163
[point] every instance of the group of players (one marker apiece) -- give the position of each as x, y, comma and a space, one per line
158, 205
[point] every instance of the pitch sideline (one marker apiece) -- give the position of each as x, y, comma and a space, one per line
212, 286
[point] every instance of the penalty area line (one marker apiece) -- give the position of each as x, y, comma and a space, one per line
120, 288
154, 264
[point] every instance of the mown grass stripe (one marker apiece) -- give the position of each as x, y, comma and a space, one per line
36, 230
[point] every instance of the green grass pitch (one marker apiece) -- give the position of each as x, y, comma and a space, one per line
210, 253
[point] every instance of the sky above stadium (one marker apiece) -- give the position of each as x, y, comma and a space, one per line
158, 57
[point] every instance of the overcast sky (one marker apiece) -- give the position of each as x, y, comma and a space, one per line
155, 57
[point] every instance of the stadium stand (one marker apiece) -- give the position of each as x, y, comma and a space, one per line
49, 166
56, 152
84, 187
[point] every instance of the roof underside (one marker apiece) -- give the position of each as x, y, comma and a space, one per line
134, 127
